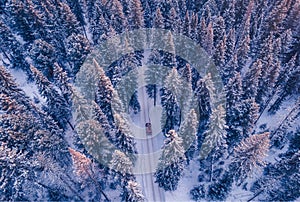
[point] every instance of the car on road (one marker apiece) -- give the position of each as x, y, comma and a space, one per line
148, 129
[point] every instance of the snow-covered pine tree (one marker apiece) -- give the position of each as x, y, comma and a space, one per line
249, 116
104, 93
128, 84
170, 97
171, 162
86, 170
93, 137
63, 81
230, 45
279, 180
219, 54
249, 155
251, 79
11, 49
78, 48
169, 57
186, 30
202, 32
124, 138
228, 15
117, 19
194, 25
43, 56
243, 49
187, 132
215, 136
158, 19
234, 109
137, 15
56, 106
18, 19
132, 192
219, 30
209, 39
98, 24
172, 23
122, 167
286, 84
148, 15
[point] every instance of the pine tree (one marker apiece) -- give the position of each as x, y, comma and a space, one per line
216, 134
250, 154
172, 22
229, 70
118, 20
104, 93
137, 15
124, 138
93, 137
78, 48
122, 165
154, 75
171, 163
234, 108
85, 169
230, 45
229, 16
98, 25
187, 132
186, 25
209, 39
148, 15
18, 19
202, 32
219, 55
170, 95
169, 57
133, 192
219, 30
43, 55
158, 20
250, 82
250, 115
194, 25
63, 82
57, 106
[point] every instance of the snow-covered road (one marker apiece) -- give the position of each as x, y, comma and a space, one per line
149, 146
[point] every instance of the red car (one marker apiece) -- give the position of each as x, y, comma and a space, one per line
148, 129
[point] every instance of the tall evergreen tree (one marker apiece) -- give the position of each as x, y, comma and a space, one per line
78, 48
43, 55
234, 109
187, 132
170, 96
118, 20
133, 192
215, 136
137, 15
124, 138
186, 25
230, 45
250, 82
57, 106
250, 154
171, 163
158, 19
219, 30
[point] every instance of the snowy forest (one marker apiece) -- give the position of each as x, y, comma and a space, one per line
53, 142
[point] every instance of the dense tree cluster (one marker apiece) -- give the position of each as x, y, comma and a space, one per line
254, 45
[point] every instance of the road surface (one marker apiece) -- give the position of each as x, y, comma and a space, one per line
149, 146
